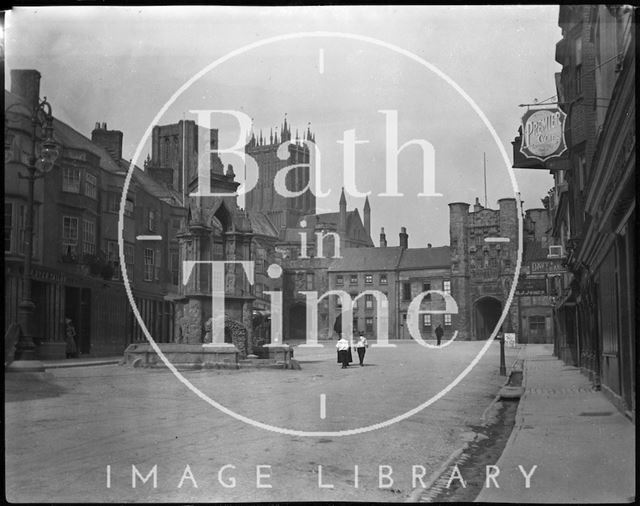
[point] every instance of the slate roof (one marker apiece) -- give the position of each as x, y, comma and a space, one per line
66, 135
71, 138
261, 225
367, 259
330, 218
425, 258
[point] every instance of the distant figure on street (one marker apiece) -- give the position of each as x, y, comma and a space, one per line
344, 352
70, 338
361, 348
439, 333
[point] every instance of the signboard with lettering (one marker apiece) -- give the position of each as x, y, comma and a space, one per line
543, 133
510, 339
532, 286
547, 266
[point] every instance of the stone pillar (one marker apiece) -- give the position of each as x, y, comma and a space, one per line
192, 321
247, 321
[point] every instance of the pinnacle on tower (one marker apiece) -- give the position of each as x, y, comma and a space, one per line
367, 217
286, 133
343, 199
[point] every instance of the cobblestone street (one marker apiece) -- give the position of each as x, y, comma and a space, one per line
65, 426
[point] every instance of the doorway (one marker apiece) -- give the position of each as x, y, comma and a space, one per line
487, 311
298, 322
78, 308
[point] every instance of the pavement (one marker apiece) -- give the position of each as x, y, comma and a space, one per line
81, 362
74, 434
583, 447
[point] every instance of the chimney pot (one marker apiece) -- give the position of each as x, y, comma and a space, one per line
404, 238
383, 238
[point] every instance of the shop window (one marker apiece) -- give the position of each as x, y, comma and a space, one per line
536, 323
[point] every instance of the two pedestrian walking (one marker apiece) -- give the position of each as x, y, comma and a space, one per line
344, 350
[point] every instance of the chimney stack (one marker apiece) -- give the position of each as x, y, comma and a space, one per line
26, 84
383, 238
111, 140
428, 245
477, 206
404, 238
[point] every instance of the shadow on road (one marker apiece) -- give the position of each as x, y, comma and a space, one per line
30, 386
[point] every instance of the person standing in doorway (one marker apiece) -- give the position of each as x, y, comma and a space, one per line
361, 348
70, 338
343, 351
439, 334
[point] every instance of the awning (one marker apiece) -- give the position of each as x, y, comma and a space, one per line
174, 297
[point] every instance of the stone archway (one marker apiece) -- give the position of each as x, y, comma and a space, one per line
237, 332
486, 312
234, 333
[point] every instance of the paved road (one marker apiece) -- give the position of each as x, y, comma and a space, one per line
64, 427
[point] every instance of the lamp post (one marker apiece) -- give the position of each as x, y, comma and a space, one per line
503, 366
39, 164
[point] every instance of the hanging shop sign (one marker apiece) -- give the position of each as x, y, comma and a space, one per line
543, 133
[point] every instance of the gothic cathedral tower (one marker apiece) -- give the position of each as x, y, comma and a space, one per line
282, 211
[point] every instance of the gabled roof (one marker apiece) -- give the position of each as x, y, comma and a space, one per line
367, 259
153, 187
261, 225
426, 258
71, 138
66, 135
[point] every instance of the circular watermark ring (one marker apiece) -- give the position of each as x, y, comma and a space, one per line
127, 182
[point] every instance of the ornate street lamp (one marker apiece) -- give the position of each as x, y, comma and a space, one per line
41, 162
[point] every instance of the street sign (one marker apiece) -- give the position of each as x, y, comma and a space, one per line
510, 339
532, 286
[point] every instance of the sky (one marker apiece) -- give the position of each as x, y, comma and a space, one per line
438, 70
